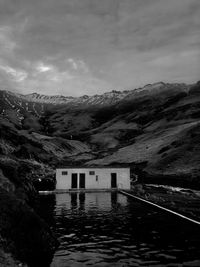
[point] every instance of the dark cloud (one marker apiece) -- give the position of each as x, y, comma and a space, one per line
90, 46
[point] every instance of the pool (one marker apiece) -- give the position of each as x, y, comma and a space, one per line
110, 229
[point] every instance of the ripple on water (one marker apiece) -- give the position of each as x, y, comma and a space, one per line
106, 229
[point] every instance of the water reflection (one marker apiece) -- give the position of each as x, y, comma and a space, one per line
114, 199
107, 229
89, 201
73, 201
82, 201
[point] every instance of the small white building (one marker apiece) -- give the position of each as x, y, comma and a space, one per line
70, 178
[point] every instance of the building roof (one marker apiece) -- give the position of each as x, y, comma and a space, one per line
93, 167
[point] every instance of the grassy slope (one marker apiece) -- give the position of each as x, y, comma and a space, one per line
158, 130
169, 139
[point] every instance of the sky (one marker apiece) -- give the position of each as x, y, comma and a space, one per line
78, 47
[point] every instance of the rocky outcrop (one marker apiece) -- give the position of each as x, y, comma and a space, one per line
7, 259
24, 237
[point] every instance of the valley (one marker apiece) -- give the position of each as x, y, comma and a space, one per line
155, 130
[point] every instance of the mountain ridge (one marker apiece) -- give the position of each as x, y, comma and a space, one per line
18, 107
130, 131
97, 99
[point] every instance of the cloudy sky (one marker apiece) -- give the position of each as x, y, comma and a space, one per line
76, 47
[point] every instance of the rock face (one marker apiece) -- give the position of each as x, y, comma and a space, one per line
154, 129
23, 234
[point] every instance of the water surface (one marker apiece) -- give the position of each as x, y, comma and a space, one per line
109, 229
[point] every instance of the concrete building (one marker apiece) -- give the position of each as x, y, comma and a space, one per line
92, 178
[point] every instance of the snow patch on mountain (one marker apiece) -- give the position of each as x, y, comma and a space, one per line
104, 99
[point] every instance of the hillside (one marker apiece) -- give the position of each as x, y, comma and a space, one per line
155, 130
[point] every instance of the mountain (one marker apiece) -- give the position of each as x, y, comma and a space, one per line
23, 101
103, 99
17, 107
134, 128
155, 130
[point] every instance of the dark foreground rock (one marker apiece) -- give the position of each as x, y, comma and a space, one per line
24, 237
25, 234
6, 259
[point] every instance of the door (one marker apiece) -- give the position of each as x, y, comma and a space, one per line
113, 180
74, 180
82, 180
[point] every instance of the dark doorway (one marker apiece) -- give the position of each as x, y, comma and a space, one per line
74, 180
82, 180
113, 180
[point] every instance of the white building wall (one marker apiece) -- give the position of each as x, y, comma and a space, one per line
91, 182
